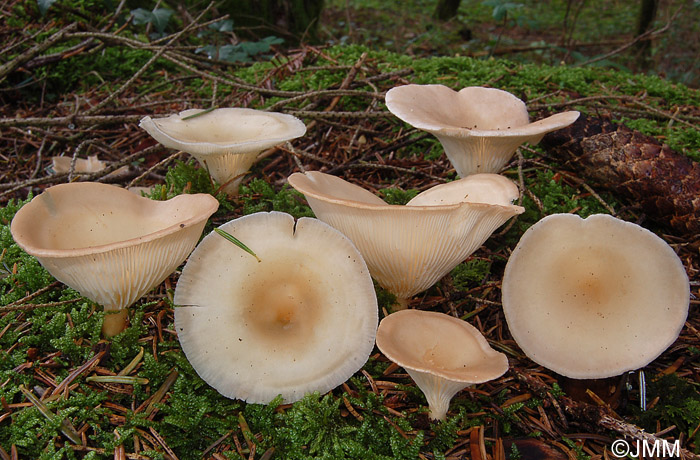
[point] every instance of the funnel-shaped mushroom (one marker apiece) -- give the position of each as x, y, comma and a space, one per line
409, 248
479, 128
442, 354
593, 298
303, 319
108, 243
225, 141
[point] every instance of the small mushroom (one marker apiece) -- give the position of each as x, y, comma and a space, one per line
226, 141
442, 354
479, 128
300, 320
109, 244
91, 164
593, 298
409, 248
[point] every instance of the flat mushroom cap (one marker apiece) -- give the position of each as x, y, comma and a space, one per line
479, 128
108, 243
409, 248
303, 319
593, 298
443, 354
225, 130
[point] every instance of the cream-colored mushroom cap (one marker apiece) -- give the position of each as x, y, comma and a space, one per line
409, 248
442, 354
479, 128
108, 243
303, 319
593, 298
227, 140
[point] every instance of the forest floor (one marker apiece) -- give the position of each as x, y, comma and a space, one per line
72, 87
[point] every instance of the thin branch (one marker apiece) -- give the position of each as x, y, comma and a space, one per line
37, 49
645, 36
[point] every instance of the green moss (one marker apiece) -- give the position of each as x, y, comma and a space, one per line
259, 196
394, 195
470, 273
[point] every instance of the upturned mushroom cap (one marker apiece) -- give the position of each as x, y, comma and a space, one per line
593, 298
479, 128
227, 140
109, 244
442, 354
303, 319
409, 248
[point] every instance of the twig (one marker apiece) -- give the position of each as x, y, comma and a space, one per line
644, 36
32, 306
10, 66
596, 415
148, 64
57, 178
153, 168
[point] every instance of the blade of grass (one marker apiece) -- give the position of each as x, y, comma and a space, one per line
132, 365
66, 427
127, 379
237, 242
199, 114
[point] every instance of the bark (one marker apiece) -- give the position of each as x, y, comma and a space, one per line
293, 19
446, 9
635, 167
647, 15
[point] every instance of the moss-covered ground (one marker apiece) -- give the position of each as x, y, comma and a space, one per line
50, 342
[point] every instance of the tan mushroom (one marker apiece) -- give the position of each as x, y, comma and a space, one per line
479, 128
109, 244
91, 164
300, 320
409, 248
593, 298
442, 354
226, 141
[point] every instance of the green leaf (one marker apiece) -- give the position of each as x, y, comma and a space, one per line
44, 5
158, 17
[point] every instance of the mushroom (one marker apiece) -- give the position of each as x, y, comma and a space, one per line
441, 353
409, 248
300, 320
479, 128
593, 298
91, 164
226, 141
109, 244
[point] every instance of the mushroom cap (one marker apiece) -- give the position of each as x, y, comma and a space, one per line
479, 128
301, 320
221, 131
440, 344
226, 141
443, 354
593, 298
108, 243
409, 248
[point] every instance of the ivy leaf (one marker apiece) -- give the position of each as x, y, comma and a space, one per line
158, 17
44, 5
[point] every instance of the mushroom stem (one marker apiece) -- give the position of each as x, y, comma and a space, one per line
401, 304
608, 390
115, 321
438, 392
